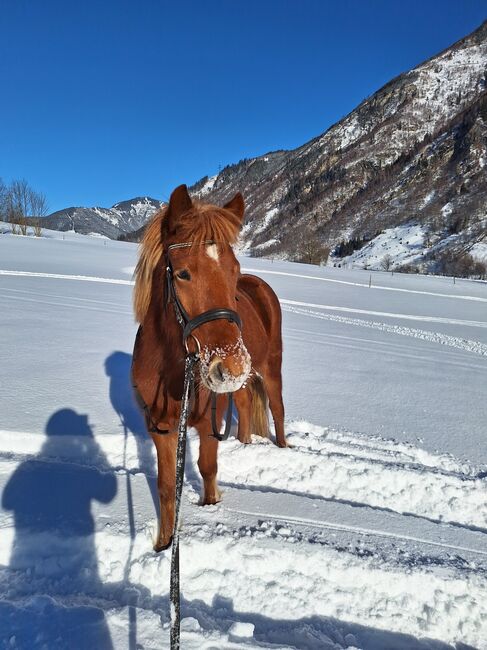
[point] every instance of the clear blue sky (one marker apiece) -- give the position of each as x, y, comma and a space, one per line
109, 99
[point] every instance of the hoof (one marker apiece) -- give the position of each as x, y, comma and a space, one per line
284, 445
211, 501
162, 547
247, 440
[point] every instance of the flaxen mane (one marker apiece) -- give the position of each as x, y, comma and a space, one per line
201, 223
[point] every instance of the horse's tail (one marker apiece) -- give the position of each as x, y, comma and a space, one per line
259, 417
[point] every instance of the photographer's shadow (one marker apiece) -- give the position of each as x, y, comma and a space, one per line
53, 553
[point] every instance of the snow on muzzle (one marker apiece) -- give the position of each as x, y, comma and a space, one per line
225, 368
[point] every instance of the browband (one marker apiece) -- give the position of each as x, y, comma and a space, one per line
187, 244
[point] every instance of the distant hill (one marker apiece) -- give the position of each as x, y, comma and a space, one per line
121, 218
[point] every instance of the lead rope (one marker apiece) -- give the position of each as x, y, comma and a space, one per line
174, 593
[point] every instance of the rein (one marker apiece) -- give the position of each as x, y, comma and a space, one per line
188, 326
174, 585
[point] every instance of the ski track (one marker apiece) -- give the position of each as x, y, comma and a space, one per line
297, 307
375, 473
333, 526
89, 278
360, 284
63, 276
350, 310
434, 337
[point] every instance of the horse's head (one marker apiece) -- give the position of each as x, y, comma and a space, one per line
203, 273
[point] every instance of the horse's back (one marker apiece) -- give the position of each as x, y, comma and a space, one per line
264, 302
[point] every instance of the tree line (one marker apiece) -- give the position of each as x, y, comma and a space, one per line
21, 206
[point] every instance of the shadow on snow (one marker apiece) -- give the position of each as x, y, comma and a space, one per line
308, 633
49, 497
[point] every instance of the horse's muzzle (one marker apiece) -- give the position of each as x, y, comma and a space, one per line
225, 370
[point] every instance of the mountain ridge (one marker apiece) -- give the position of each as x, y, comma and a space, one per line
122, 218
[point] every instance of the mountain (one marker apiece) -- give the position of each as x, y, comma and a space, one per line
410, 159
400, 182
121, 218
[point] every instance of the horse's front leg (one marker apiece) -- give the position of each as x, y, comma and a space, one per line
166, 445
208, 465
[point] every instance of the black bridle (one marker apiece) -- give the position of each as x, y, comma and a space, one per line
188, 326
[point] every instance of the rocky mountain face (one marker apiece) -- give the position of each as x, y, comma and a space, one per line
413, 155
121, 218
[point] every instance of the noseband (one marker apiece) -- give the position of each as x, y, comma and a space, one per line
188, 326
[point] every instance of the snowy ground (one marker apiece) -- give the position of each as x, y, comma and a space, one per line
371, 532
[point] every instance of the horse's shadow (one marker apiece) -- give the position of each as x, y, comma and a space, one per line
117, 368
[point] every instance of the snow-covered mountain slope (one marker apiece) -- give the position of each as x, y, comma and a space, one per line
394, 246
412, 153
121, 218
370, 532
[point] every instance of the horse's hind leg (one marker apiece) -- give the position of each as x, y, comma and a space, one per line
243, 402
273, 385
208, 466
166, 445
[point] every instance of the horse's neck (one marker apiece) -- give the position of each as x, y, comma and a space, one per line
164, 340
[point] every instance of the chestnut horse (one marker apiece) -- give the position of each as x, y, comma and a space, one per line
193, 242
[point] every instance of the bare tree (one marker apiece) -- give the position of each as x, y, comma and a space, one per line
38, 204
38, 209
312, 251
19, 197
3, 200
386, 262
18, 205
22, 202
37, 228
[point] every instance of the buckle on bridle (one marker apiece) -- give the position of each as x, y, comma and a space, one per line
198, 346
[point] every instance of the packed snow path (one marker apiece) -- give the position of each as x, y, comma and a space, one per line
369, 533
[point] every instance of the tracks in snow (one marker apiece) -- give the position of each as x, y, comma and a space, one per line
466, 345
373, 487
292, 306
279, 535
89, 278
366, 286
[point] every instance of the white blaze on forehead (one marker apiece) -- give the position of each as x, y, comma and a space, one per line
212, 251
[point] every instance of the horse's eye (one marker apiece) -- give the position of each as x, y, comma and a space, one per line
183, 275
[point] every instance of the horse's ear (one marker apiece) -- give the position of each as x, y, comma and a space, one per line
179, 203
236, 205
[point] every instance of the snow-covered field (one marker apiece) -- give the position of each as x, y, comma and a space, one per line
371, 532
